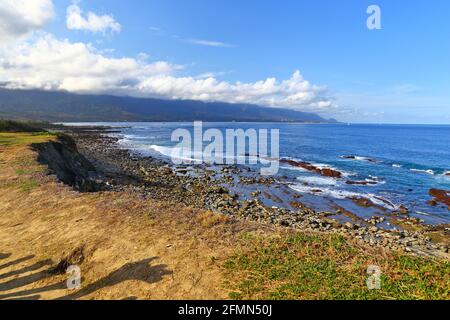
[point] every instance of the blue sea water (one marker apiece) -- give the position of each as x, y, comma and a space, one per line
405, 161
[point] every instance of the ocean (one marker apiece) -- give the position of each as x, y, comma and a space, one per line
399, 163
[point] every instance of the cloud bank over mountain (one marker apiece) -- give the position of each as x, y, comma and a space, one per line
42, 61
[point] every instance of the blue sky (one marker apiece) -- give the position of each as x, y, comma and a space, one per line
399, 74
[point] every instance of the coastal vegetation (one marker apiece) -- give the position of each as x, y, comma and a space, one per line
312, 266
20, 126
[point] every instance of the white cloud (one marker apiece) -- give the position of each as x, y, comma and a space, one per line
156, 29
92, 22
48, 63
209, 43
36, 60
212, 74
19, 18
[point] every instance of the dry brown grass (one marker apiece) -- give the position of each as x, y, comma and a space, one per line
133, 247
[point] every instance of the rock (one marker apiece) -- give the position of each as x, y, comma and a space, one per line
403, 210
314, 225
166, 170
326, 172
442, 196
330, 173
284, 223
76, 257
296, 205
362, 202
349, 225
254, 194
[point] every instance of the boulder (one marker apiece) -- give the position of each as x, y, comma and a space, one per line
403, 210
326, 172
442, 196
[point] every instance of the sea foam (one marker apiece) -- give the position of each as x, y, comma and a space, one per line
343, 194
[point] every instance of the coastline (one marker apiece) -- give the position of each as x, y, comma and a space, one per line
200, 186
58, 209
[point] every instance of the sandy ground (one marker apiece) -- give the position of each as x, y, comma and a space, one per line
133, 248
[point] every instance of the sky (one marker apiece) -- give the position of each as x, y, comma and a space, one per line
316, 56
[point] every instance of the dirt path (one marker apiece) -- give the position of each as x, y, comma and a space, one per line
133, 248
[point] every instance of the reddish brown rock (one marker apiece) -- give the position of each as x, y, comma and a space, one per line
442, 196
403, 210
330, 173
326, 172
363, 202
297, 205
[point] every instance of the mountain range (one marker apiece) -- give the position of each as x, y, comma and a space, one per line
58, 106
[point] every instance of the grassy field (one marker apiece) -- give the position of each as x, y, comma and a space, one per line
303, 266
155, 250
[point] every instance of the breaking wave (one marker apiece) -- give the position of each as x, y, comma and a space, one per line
343, 194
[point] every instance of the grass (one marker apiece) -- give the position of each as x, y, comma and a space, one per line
329, 267
28, 185
23, 139
20, 133
23, 167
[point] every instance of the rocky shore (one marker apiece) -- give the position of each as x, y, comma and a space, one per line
201, 186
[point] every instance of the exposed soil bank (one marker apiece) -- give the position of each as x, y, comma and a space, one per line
70, 166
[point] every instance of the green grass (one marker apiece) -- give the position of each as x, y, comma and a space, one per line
23, 166
21, 139
28, 186
23, 172
328, 267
